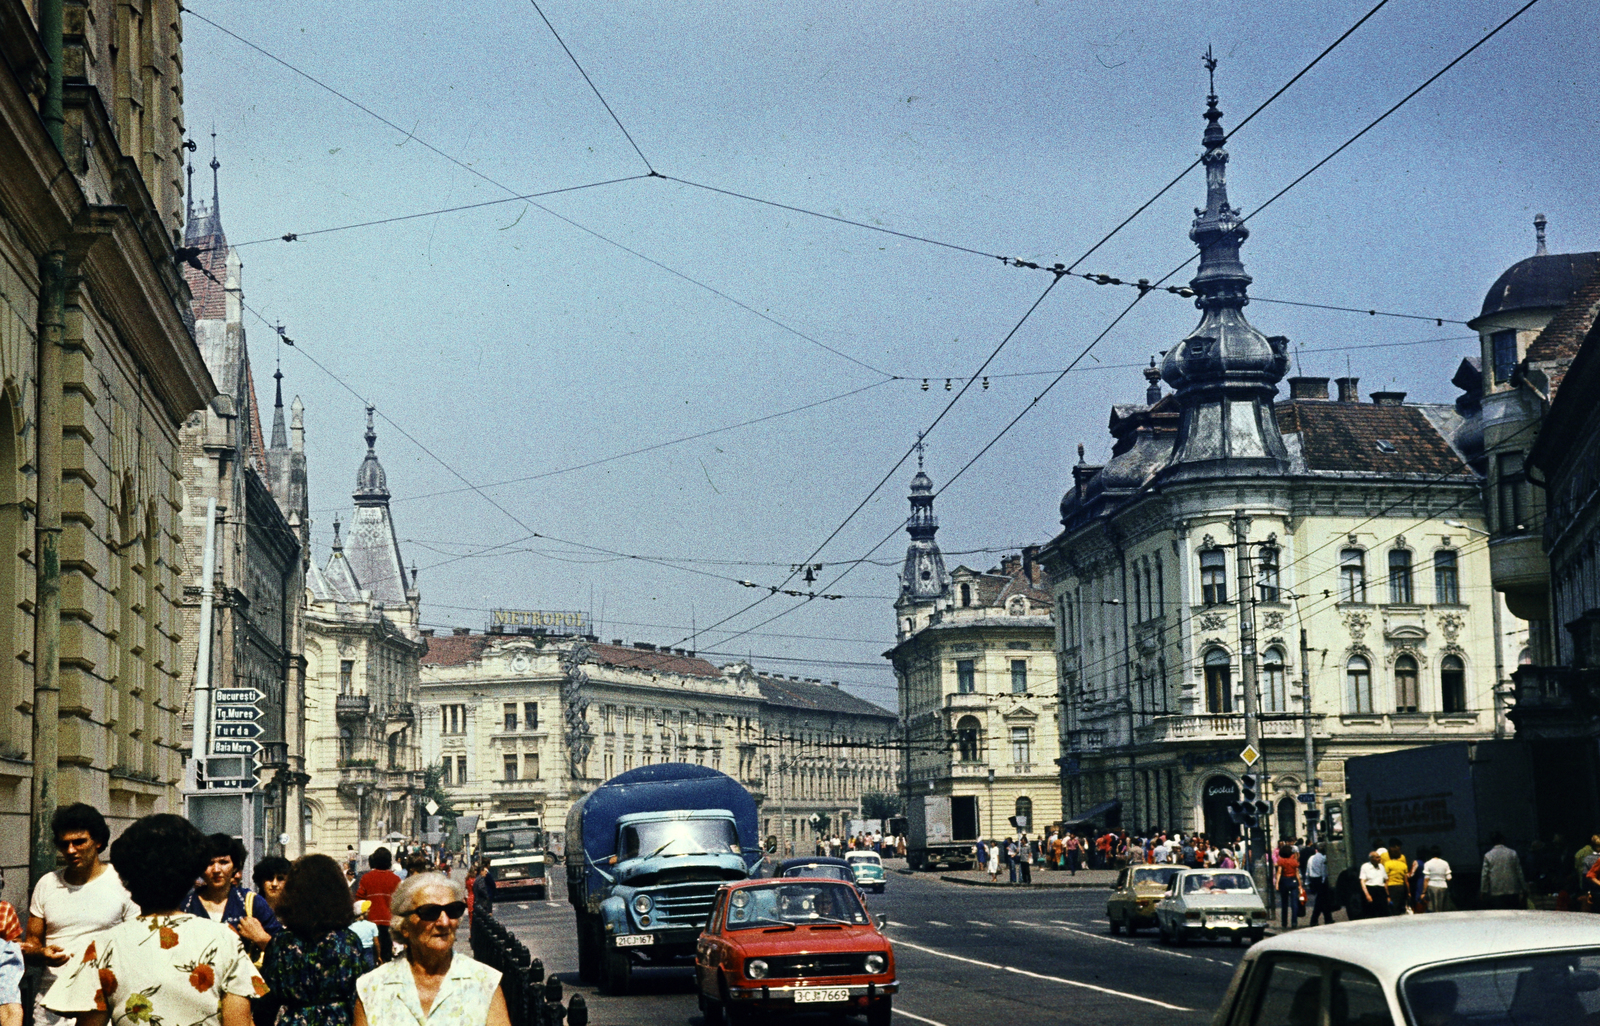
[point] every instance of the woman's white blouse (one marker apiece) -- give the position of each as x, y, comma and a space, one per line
389, 995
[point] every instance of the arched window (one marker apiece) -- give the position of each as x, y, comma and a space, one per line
1405, 684
1358, 685
1400, 590
1286, 819
1219, 682
1446, 578
1352, 576
968, 738
1213, 577
1275, 693
966, 595
1024, 813
1453, 684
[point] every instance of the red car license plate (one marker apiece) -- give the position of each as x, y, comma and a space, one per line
813, 995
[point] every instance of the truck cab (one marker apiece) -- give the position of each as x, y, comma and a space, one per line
514, 848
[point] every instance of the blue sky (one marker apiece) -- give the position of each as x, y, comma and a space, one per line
512, 343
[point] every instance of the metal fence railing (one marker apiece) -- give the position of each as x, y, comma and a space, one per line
531, 998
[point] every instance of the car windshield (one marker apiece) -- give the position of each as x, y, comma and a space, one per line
1556, 987
798, 903
824, 871
1217, 883
1157, 874
678, 837
519, 839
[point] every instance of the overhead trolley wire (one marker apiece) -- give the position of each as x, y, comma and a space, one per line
595, 89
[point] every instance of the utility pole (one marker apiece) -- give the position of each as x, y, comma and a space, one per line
1247, 649
1311, 746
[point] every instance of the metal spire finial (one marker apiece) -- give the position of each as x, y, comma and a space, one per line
920, 447
1538, 230
1211, 69
372, 432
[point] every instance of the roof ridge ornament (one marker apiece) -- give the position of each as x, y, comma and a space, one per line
1540, 249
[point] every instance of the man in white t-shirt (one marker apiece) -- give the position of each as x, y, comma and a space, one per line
74, 903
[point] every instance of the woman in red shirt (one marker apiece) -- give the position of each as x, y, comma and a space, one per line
1286, 880
376, 885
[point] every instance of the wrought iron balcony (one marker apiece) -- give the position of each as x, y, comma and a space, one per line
352, 707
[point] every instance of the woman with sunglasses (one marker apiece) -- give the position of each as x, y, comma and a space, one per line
432, 984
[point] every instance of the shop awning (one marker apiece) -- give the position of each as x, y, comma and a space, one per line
1097, 812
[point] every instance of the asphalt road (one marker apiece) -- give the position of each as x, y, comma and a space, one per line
966, 956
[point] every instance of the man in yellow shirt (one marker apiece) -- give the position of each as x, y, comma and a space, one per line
1399, 871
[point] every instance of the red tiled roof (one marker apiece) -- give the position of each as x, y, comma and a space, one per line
461, 649
210, 301
455, 649
1343, 437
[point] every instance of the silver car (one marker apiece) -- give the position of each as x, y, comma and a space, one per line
1211, 903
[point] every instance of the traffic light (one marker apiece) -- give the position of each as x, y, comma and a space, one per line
1249, 785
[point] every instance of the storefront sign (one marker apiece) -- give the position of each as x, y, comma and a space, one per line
549, 621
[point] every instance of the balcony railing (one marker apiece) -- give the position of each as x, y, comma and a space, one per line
1206, 726
351, 707
967, 700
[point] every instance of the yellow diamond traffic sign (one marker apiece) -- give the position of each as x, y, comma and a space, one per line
1250, 755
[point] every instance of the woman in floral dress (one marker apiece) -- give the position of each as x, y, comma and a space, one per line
165, 968
312, 967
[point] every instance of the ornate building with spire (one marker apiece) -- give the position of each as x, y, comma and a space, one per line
975, 679
1324, 554
258, 539
363, 643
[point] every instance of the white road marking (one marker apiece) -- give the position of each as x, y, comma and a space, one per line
524, 907
1050, 979
1063, 922
980, 922
919, 1018
555, 904
935, 922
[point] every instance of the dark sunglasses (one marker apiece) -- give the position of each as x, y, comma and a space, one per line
428, 913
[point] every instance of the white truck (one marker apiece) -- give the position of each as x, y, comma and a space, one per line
514, 846
942, 830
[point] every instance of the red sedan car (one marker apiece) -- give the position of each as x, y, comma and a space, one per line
793, 945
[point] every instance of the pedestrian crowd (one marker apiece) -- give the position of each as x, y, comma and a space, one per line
886, 846
167, 935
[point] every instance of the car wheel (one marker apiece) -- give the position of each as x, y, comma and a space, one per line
1116, 927
880, 1012
1179, 937
589, 951
1133, 926
711, 1011
617, 973
1161, 928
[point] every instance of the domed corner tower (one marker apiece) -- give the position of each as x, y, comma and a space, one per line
924, 584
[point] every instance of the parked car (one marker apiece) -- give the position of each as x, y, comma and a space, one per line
1211, 903
793, 944
1441, 969
821, 866
1139, 888
867, 868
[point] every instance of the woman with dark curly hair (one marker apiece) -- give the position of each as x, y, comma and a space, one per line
312, 966
166, 966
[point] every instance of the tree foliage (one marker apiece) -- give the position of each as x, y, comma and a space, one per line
880, 805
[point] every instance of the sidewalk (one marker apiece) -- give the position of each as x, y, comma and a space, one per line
1042, 878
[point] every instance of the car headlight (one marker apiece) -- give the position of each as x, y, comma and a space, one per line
875, 964
641, 904
756, 969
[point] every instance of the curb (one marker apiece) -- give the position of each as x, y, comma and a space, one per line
1031, 886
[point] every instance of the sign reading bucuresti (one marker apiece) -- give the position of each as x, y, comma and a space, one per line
550, 621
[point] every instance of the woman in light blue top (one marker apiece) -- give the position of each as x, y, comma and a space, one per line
431, 985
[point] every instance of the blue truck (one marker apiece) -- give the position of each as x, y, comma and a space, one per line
646, 853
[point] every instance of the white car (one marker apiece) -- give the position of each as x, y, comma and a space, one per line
1211, 903
1439, 969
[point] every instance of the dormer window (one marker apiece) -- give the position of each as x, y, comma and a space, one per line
966, 595
1386, 446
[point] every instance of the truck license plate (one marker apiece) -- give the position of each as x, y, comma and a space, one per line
813, 995
635, 940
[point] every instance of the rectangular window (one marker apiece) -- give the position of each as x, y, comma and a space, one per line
966, 677
453, 719
1504, 347
530, 767
1352, 576
511, 716
444, 773
1453, 685
510, 768
1512, 485
461, 769
1219, 684
1213, 577
347, 672
1400, 590
1267, 575
1021, 747
1446, 579
530, 716
1019, 676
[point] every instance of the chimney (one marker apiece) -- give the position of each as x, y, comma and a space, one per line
525, 631
1030, 563
834, 683
459, 631
1347, 389
1308, 388
1388, 398
427, 632
644, 646
617, 642
497, 628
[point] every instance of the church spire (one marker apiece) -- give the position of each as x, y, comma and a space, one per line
1225, 372
922, 579
372, 484
280, 434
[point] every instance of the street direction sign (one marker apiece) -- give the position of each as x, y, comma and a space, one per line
236, 696
237, 713
223, 730
235, 747
1250, 755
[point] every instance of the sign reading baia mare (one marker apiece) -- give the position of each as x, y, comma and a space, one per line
547, 620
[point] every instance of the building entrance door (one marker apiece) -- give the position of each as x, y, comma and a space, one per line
1215, 798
